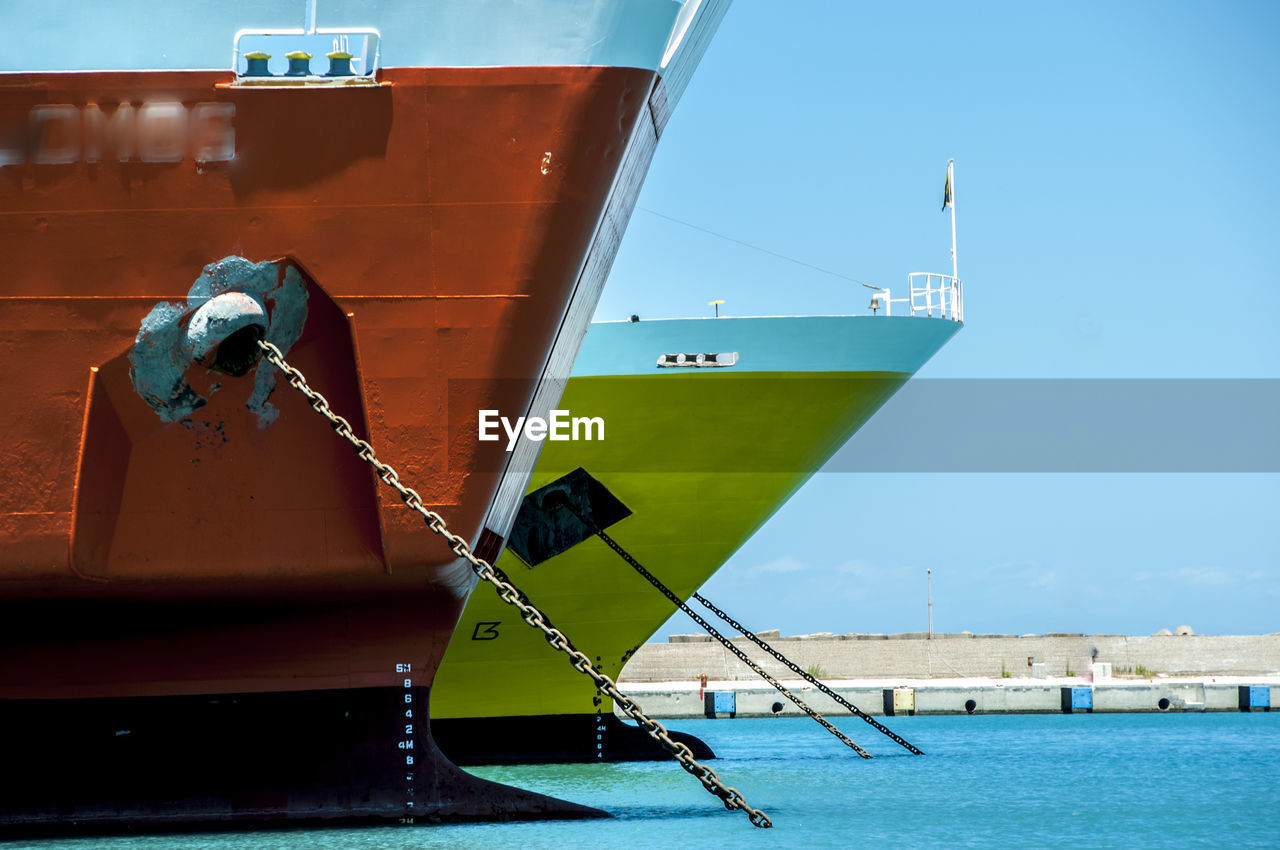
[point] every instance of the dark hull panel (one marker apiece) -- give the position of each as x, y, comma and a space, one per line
362, 755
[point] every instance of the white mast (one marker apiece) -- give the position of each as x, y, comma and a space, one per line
951, 200
929, 582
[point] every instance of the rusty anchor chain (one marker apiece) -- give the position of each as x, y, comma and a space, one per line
734, 624
794, 668
727, 644
730, 796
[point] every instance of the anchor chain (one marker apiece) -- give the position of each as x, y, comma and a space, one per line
730, 796
808, 678
725, 642
734, 624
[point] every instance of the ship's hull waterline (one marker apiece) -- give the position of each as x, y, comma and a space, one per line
213, 615
701, 457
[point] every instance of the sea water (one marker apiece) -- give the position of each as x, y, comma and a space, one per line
1037, 781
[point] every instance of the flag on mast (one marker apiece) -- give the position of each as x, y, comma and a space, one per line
946, 190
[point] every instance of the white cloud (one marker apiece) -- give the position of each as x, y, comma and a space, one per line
861, 569
1203, 576
1213, 576
1015, 574
779, 566
1007, 568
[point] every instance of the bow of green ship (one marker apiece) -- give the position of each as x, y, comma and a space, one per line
707, 427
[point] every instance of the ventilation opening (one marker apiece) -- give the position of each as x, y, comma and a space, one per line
777, 708
970, 706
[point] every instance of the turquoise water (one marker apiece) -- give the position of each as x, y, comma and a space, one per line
1115, 781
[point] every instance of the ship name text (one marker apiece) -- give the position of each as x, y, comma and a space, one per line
153, 131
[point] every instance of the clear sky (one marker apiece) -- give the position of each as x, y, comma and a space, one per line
1118, 207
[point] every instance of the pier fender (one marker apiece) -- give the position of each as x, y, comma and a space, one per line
717, 703
232, 304
899, 701
1254, 698
1077, 698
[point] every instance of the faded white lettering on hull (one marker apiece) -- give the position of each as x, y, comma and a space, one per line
154, 131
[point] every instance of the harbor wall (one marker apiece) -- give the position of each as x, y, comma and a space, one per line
963, 655
962, 674
888, 697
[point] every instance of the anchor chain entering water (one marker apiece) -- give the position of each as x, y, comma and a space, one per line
734, 624
725, 642
730, 796
810, 679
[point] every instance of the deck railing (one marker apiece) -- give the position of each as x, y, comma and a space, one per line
929, 294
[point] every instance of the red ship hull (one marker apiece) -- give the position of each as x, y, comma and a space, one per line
160, 559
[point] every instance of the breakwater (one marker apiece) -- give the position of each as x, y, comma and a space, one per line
914, 656
963, 674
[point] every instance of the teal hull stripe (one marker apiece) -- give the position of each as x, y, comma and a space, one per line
770, 344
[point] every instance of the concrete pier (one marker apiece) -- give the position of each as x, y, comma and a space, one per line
963, 674
956, 696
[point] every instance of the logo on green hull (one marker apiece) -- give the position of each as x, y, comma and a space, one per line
560, 426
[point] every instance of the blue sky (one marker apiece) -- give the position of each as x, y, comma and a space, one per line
1118, 206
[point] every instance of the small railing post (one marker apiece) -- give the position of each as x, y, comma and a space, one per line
947, 289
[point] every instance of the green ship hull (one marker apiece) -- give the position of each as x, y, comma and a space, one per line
701, 456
